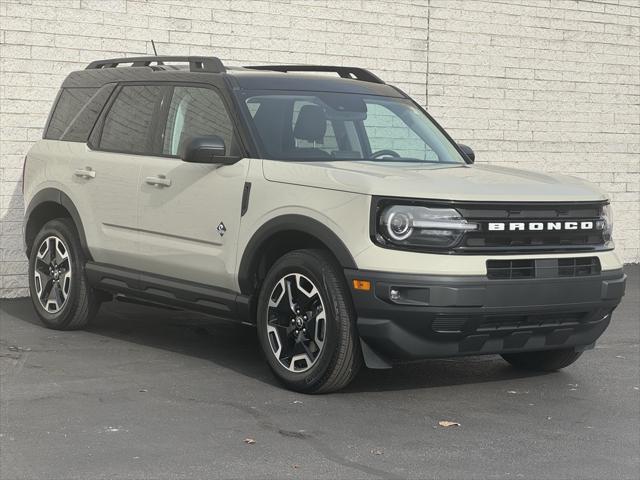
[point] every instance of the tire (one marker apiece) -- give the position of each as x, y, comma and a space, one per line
328, 355
70, 303
543, 361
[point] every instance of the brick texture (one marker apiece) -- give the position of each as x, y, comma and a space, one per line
548, 85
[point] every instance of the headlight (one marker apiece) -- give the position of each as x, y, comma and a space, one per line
426, 227
607, 218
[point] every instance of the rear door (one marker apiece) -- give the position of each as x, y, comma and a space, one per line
106, 176
190, 213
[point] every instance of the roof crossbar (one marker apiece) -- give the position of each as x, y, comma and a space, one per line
196, 64
345, 72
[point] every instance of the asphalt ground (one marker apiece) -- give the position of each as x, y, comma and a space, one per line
151, 393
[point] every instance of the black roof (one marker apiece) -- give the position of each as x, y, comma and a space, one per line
212, 70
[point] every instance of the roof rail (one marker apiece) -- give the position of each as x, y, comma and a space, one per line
196, 64
345, 72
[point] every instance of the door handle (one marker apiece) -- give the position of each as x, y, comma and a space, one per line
159, 181
86, 172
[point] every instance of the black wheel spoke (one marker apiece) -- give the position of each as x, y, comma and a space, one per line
46, 291
306, 349
42, 267
59, 296
64, 263
52, 250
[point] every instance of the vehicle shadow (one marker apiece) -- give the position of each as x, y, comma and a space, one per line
236, 348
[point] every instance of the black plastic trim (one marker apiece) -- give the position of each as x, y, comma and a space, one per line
169, 291
246, 194
301, 223
494, 316
53, 195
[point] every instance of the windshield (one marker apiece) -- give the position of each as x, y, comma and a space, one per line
344, 126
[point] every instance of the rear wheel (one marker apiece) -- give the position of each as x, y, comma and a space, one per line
544, 361
306, 323
58, 285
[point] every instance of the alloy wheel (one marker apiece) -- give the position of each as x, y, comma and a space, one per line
296, 322
52, 274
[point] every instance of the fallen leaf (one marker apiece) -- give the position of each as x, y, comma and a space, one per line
249, 441
512, 392
377, 451
143, 390
447, 423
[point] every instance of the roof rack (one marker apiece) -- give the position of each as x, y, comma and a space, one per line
196, 64
345, 72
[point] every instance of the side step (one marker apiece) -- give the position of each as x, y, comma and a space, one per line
174, 293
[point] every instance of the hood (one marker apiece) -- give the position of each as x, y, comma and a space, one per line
433, 181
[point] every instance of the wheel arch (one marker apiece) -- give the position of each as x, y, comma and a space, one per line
280, 235
46, 205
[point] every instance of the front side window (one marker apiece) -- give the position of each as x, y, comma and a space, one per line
195, 112
128, 126
341, 126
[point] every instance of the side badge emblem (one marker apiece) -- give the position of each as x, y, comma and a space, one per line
221, 229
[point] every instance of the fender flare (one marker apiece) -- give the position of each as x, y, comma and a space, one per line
53, 195
300, 223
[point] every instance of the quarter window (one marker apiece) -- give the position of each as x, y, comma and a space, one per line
69, 104
195, 112
128, 126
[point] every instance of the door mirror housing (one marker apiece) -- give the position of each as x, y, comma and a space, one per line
468, 151
207, 149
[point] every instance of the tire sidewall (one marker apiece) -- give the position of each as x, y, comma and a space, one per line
66, 233
306, 265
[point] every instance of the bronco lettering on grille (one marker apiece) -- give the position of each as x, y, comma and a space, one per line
543, 226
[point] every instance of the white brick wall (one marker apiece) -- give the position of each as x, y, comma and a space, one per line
549, 85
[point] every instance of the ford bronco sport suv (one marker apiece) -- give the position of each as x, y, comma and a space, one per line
319, 204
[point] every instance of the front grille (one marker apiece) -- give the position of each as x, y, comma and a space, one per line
522, 322
578, 267
511, 269
543, 268
471, 324
526, 240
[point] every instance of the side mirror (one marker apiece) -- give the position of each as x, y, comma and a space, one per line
468, 152
207, 149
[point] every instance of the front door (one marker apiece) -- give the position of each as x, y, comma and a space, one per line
189, 214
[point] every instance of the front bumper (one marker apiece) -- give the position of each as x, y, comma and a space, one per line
443, 316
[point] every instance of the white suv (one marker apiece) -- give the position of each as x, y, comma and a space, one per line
319, 204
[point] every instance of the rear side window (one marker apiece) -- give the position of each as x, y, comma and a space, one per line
128, 126
70, 102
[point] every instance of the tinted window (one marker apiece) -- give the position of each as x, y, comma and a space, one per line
82, 123
195, 112
69, 103
341, 126
129, 122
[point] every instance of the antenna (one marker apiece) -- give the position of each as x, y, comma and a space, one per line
155, 52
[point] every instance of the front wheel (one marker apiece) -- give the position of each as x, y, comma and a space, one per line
544, 361
306, 323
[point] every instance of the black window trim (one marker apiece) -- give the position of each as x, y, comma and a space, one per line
159, 123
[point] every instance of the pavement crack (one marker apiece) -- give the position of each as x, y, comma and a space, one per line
318, 445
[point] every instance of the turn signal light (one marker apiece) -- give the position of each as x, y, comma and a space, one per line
364, 285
